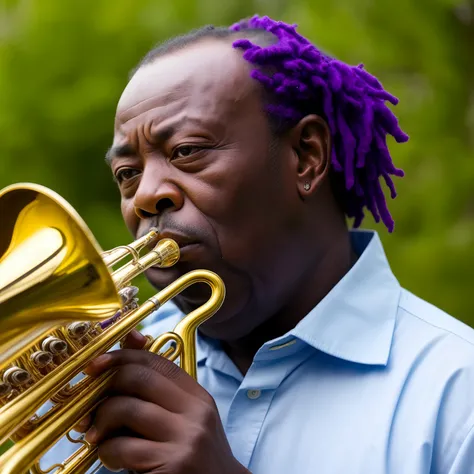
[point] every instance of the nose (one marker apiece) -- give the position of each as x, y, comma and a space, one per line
156, 195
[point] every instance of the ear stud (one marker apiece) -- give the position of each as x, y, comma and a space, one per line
307, 186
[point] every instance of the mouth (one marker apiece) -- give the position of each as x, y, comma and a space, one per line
186, 251
185, 244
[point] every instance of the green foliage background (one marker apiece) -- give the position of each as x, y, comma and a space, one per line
63, 65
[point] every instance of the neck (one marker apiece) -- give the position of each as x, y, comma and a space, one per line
311, 288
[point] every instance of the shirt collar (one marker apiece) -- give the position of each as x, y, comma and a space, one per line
356, 319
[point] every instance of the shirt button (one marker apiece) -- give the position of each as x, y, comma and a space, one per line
253, 394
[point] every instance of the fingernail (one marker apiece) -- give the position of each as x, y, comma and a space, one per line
97, 363
84, 422
103, 359
91, 435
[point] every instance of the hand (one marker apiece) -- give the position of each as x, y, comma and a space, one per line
157, 419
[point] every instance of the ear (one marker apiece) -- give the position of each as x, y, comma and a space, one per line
311, 141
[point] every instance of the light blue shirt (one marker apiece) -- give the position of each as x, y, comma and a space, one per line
372, 381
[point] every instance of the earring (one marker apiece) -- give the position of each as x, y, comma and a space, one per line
307, 186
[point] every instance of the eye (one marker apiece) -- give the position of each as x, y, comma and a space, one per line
125, 174
184, 151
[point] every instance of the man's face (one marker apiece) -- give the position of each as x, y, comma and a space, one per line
192, 155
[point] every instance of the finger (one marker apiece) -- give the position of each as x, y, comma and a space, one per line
143, 418
134, 340
142, 382
135, 454
83, 425
155, 362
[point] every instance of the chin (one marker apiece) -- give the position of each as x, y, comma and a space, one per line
190, 298
192, 257
233, 320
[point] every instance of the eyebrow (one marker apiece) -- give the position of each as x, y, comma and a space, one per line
125, 150
118, 151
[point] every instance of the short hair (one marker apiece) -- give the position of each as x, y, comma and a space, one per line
300, 80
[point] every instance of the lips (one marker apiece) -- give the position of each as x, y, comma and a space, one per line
180, 239
183, 241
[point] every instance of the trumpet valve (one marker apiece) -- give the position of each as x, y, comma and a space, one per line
78, 330
19, 379
128, 294
43, 361
58, 348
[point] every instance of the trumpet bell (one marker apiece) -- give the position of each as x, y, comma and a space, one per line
51, 270
62, 305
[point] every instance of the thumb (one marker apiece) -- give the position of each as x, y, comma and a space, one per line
134, 340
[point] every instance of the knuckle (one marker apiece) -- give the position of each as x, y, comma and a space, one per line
165, 367
208, 399
112, 409
200, 437
200, 426
206, 412
130, 375
210, 416
142, 373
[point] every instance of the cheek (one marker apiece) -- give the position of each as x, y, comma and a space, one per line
225, 189
128, 212
254, 217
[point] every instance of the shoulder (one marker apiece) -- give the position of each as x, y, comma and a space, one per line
429, 337
434, 354
429, 316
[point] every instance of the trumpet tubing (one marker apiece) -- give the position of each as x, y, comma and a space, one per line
63, 304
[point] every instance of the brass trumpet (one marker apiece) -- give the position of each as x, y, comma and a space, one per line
61, 305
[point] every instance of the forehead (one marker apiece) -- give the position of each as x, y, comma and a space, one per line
209, 78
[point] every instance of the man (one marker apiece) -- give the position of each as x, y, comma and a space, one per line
251, 147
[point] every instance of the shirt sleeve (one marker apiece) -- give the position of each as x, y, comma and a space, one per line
464, 460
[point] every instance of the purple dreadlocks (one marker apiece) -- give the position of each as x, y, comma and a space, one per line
301, 80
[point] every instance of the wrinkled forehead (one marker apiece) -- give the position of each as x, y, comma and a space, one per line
208, 77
